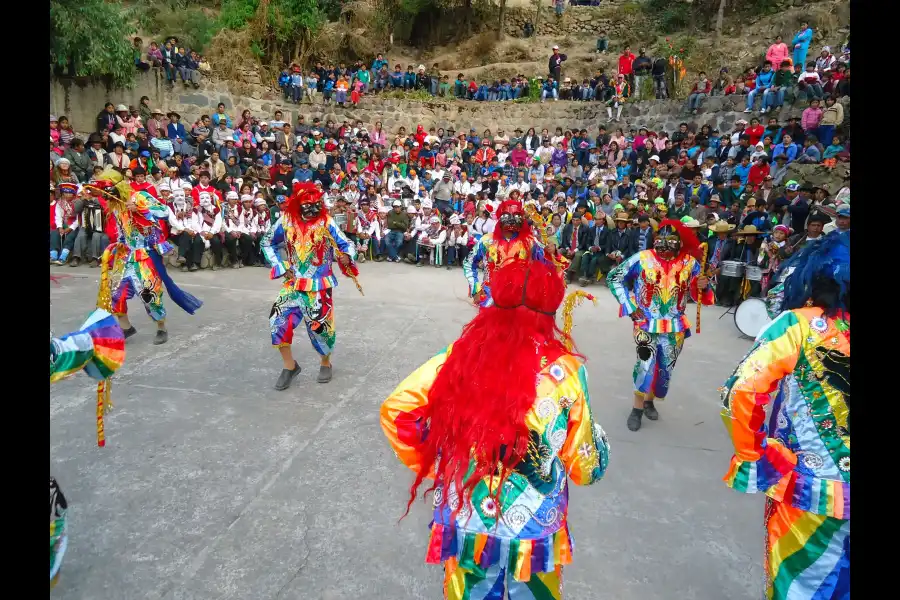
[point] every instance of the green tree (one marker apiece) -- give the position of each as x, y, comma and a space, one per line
90, 38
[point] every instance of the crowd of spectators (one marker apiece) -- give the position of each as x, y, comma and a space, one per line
427, 195
175, 61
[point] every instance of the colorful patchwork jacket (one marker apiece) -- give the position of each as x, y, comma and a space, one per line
310, 253
491, 253
531, 533
659, 289
142, 230
803, 456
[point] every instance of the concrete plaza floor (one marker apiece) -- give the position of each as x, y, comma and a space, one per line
213, 485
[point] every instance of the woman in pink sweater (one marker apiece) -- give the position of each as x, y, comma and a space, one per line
811, 117
777, 52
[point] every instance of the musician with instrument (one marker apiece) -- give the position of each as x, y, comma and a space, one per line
720, 250
746, 250
814, 225
312, 240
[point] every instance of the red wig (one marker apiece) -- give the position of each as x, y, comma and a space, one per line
303, 193
514, 206
689, 243
482, 393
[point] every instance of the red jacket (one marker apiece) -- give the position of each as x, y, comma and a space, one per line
625, 63
195, 194
110, 226
757, 175
705, 90
755, 134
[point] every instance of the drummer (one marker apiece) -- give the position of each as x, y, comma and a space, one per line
746, 250
721, 249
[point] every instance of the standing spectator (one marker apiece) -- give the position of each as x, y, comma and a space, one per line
811, 117
778, 52
659, 78
699, 92
296, 78
832, 117
641, 68
626, 60
560, 6
801, 43
554, 66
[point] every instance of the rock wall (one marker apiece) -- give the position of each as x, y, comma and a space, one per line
82, 101
617, 18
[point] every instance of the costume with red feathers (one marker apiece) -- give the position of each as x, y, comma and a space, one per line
500, 420
494, 249
310, 248
660, 288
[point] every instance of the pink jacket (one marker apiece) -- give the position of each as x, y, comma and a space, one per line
776, 54
811, 117
378, 137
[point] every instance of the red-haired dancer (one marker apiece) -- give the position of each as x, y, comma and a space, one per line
652, 288
511, 239
309, 237
498, 420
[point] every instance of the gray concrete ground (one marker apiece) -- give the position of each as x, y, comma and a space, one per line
214, 486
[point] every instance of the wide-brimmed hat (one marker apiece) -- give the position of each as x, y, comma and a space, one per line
748, 230
156, 111
121, 108
690, 222
722, 227
172, 112
622, 216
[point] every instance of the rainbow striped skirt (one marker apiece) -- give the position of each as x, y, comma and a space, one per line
807, 555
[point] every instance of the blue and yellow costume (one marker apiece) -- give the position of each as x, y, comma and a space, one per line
801, 460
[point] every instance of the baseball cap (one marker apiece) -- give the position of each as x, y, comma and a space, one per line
792, 186
396, 203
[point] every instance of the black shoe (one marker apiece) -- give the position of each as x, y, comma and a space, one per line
324, 374
129, 332
193, 268
287, 375
162, 336
634, 419
650, 410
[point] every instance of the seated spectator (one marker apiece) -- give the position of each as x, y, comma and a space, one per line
809, 82
700, 90
137, 50
154, 55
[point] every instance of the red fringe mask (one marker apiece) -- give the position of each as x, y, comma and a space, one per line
482, 393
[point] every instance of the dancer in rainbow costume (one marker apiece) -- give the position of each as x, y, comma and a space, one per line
652, 288
133, 264
514, 240
801, 460
98, 349
310, 239
500, 420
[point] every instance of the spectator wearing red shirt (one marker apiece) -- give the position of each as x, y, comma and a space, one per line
485, 154
204, 186
758, 173
625, 65
755, 131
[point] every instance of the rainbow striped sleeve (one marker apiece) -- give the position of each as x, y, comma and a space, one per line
405, 413
761, 464
269, 244
620, 281
150, 208
586, 449
98, 348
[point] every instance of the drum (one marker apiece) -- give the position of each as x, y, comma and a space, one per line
754, 273
751, 316
732, 268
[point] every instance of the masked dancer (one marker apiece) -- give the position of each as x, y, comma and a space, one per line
133, 265
500, 444
311, 239
513, 238
801, 459
653, 287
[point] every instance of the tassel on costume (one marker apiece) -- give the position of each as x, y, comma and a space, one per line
572, 300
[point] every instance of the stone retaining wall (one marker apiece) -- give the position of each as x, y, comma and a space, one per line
81, 102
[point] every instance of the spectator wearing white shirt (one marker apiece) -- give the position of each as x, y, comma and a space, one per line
237, 229
265, 134
183, 229
208, 219
810, 82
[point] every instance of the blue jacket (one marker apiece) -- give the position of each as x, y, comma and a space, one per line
803, 37
176, 131
764, 79
790, 152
